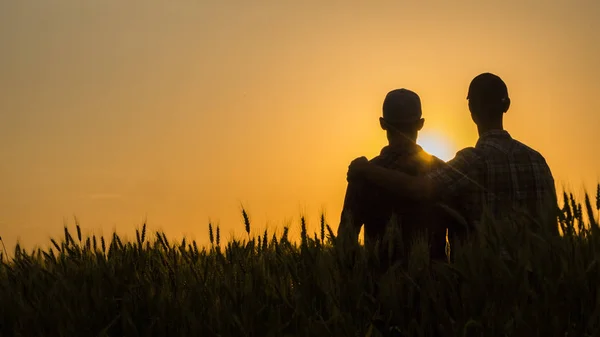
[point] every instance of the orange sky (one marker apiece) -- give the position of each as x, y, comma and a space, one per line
179, 111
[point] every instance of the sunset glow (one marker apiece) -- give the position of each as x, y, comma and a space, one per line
437, 145
119, 112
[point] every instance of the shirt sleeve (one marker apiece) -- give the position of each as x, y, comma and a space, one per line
458, 174
352, 217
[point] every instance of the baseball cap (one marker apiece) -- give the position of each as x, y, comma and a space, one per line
401, 106
489, 88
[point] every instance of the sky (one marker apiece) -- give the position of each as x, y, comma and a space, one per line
177, 113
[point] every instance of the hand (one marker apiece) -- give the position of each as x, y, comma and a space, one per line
357, 168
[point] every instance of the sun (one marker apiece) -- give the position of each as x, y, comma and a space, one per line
437, 145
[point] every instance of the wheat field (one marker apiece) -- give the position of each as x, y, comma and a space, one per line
269, 285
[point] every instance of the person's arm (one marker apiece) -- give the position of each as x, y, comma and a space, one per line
451, 179
550, 203
399, 183
351, 217
396, 182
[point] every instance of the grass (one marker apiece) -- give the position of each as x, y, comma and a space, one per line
268, 285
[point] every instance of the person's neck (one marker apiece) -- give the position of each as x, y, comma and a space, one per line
402, 139
487, 127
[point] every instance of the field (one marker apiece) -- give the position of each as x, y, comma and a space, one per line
272, 286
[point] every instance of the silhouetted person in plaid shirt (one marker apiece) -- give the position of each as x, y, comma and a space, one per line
373, 206
499, 174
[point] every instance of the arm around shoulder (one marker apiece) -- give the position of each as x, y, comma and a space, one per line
400, 184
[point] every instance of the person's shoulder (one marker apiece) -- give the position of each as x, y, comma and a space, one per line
468, 151
390, 158
421, 160
431, 161
466, 159
377, 160
436, 162
531, 151
467, 154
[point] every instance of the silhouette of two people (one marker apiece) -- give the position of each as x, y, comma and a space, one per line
498, 177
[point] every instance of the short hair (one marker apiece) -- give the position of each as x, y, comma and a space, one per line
489, 89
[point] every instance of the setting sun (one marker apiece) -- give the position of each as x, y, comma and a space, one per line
437, 145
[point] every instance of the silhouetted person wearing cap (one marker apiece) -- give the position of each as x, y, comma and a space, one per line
499, 174
371, 205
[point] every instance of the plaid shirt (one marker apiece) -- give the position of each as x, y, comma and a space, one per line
499, 174
372, 206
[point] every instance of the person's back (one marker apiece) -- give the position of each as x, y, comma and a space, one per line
500, 176
380, 206
374, 207
528, 181
506, 176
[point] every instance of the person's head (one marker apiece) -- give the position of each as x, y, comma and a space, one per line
401, 115
488, 99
